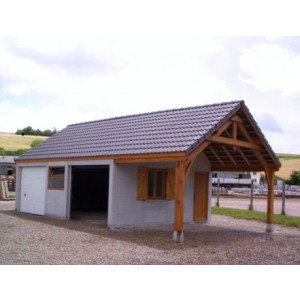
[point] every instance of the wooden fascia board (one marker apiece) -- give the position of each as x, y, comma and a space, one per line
159, 157
233, 142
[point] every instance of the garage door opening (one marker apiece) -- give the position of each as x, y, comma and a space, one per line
89, 193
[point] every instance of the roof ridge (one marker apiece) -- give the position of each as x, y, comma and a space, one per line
158, 111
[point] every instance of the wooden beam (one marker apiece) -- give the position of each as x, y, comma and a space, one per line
198, 150
270, 175
254, 126
188, 166
245, 133
229, 155
244, 156
261, 159
216, 155
179, 195
223, 127
152, 157
236, 118
234, 130
233, 142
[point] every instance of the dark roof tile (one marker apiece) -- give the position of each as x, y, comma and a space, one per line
174, 130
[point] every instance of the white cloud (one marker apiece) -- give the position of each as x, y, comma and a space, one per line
148, 74
271, 68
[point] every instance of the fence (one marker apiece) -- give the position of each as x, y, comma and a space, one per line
281, 191
7, 184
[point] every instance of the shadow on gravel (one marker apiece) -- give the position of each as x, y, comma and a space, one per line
195, 235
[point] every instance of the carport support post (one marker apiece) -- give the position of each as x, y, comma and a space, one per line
179, 199
270, 175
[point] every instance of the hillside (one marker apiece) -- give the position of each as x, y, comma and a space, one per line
11, 141
290, 162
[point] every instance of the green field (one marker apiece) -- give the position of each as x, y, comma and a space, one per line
290, 163
11, 141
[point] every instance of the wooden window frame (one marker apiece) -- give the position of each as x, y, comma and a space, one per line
168, 185
164, 182
50, 177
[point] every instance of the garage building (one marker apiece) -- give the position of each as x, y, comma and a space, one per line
146, 169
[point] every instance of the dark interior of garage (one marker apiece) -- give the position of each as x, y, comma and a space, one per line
89, 192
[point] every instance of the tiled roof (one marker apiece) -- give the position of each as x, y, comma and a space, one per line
177, 130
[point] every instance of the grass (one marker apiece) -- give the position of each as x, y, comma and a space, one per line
11, 141
256, 215
290, 163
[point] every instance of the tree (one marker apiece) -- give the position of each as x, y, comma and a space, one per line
34, 143
294, 178
30, 131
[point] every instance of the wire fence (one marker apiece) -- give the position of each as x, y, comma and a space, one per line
256, 194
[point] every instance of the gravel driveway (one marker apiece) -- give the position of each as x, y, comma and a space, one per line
30, 239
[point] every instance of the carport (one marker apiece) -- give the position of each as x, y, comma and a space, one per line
236, 145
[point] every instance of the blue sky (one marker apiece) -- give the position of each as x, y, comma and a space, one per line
129, 63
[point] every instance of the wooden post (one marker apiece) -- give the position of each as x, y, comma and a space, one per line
270, 176
251, 195
179, 199
218, 192
283, 199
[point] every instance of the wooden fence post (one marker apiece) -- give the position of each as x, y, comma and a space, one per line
218, 192
283, 199
251, 195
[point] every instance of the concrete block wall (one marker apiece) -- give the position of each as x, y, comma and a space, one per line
127, 211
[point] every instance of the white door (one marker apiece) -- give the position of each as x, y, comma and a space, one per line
33, 190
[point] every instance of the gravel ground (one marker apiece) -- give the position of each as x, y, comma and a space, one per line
30, 239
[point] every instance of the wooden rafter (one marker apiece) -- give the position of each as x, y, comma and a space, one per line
216, 155
236, 118
233, 142
257, 132
229, 155
245, 132
261, 158
244, 157
223, 127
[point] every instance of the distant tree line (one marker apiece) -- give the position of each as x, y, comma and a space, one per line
30, 131
294, 178
12, 152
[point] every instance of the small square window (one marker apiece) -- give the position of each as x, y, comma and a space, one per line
56, 178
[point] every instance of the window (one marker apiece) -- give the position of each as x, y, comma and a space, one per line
56, 178
155, 184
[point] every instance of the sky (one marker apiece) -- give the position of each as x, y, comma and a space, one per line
52, 81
